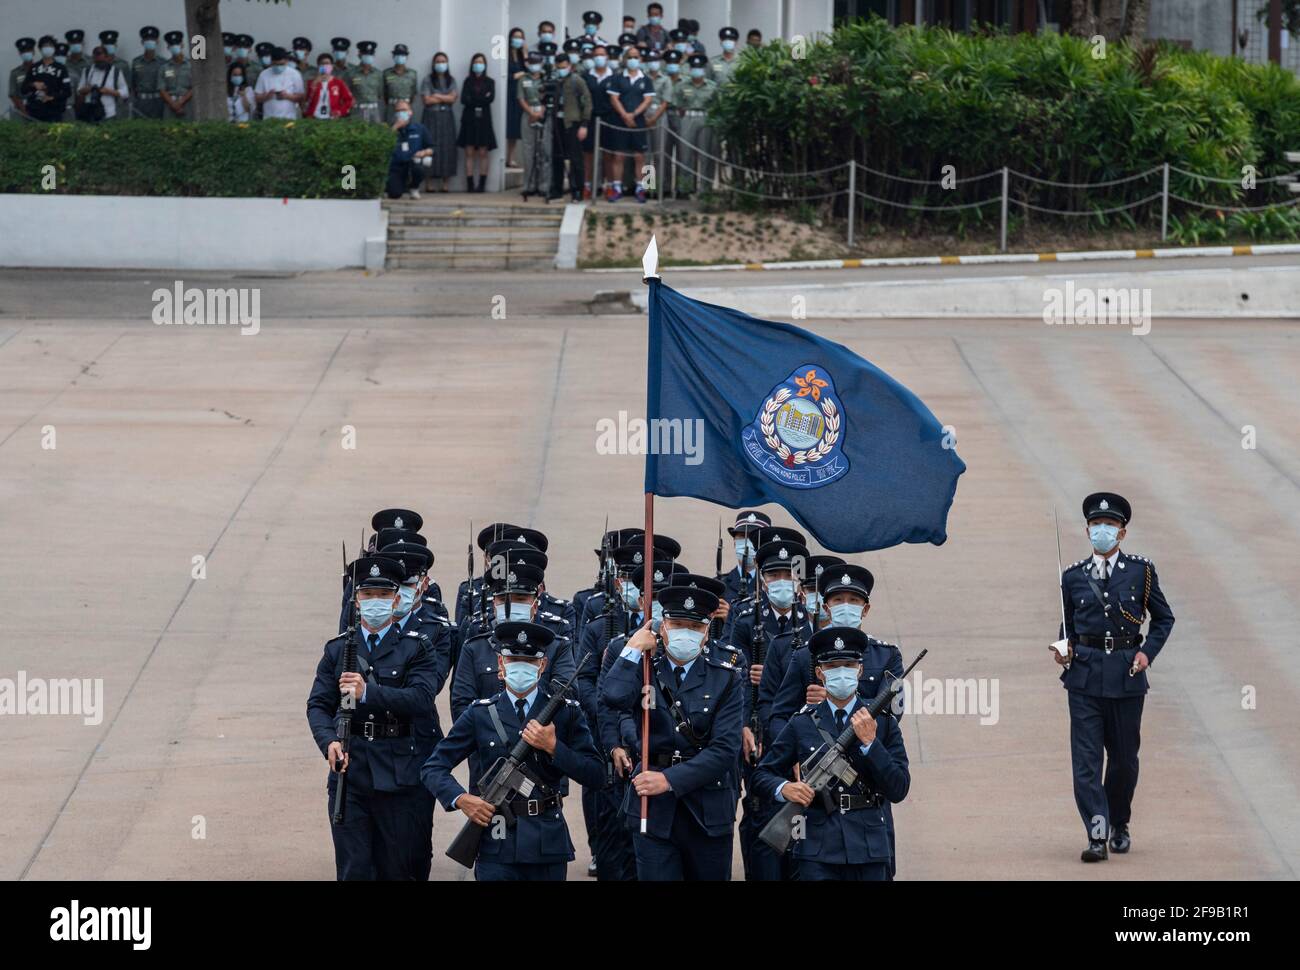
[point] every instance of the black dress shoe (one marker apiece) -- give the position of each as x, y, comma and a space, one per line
1096, 851
1120, 841
591, 868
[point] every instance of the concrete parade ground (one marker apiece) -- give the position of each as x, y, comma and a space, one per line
128, 449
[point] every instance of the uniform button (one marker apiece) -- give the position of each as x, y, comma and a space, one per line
492, 744
706, 710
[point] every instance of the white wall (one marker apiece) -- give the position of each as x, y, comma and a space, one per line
136, 232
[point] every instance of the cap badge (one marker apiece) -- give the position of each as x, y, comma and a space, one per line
523, 636
397, 522
637, 558
689, 603
784, 553
1104, 504
374, 570
839, 643
752, 517
512, 578
818, 571
846, 579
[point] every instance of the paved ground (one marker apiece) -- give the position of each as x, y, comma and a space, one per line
174, 442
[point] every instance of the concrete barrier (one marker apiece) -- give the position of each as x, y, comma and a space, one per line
140, 232
1259, 291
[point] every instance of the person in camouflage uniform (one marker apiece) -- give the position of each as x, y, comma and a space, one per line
175, 80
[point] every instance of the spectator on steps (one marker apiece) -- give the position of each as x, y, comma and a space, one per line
412, 154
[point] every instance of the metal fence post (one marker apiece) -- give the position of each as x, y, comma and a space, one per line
662, 158
853, 197
1005, 173
595, 165
1164, 204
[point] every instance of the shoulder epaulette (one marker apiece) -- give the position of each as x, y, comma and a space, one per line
881, 643
1076, 565
1144, 559
559, 602
570, 700
340, 637
806, 709
484, 700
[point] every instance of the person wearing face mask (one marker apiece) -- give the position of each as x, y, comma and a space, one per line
400, 82
342, 69
108, 38
146, 77
327, 96
813, 603
239, 99
698, 145
530, 546
600, 80
537, 132
367, 84
696, 722
725, 63
548, 610
530, 841
439, 92
477, 134
631, 93
774, 602
574, 99
46, 87
653, 34
77, 62
262, 60
742, 577
591, 21
17, 75
407, 165
301, 59
516, 71
280, 88
1105, 599
388, 830
175, 79
847, 834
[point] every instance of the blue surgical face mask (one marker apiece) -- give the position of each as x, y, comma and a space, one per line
367, 59
744, 548
534, 69
654, 66
846, 614
682, 48
841, 682
237, 79
299, 53
278, 68
656, 612
150, 45
631, 595
590, 29
403, 116
561, 72
440, 67
110, 49
654, 21
546, 38
28, 57
672, 68
519, 612
225, 50
697, 72
599, 60
780, 592
60, 59
47, 52
633, 63
684, 645
521, 676
478, 67
174, 50
588, 63
399, 59
242, 53
812, 602
516, 42
1104, 537
728, 45
405, 600
377, 613
74, 48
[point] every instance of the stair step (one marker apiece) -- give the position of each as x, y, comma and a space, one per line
468, 262
458, 225
475, 234
469, 249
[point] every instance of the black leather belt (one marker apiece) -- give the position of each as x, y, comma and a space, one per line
849, 802
534, 806
1109, 643
370, 730
668, 760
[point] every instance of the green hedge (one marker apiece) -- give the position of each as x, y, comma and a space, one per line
911, 100
300, 159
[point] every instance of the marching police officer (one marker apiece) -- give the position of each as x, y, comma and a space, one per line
511, 553
367, 84
533, 843
400, 83
18, 74
146, 77
1105, 598
175, 85
813, 603
388, 829
696, 722
744, 534
699, 144
846, 832
608, 543
414, 617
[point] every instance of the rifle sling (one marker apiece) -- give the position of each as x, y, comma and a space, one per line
684, 727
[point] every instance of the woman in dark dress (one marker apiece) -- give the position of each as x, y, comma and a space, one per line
477, 135
438, 90
516, 66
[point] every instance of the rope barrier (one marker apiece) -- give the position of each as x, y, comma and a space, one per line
929, 208
1084, 185
912, 181
1239, 208
1086, 212
1291, 176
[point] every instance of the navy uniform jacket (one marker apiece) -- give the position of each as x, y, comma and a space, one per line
841, 838
554, 622
541, 838
579, 606
438, 633
476, 671
878, 658
778, 649
737, 587
400, 686
593, 639
705, 784
1119, 611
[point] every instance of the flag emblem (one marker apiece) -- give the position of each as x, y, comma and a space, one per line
797, 436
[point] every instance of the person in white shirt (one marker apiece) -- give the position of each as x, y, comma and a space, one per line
106, 81
239, 97
279, 88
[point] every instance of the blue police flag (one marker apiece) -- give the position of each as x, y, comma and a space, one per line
783, 415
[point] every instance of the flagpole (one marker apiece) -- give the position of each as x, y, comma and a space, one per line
650, 271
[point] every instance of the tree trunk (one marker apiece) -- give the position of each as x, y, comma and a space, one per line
1111, 22
1082, 22
203, 17
1135, 21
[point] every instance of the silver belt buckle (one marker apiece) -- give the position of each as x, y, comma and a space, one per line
845, 802
368, 730
1109, 643
534, 807
677, 757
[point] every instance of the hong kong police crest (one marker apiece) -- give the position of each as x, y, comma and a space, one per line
797, 439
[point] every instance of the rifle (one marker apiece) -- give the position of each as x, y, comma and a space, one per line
826, 765
346, 709
506, 777
715, 625
758, 651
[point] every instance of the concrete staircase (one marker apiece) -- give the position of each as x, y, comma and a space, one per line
448, 231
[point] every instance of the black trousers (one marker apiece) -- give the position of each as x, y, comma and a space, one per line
403, 176
615, 857
386, 835
1109, 730
572, 152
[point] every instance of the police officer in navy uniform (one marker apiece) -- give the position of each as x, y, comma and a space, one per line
740, 581
813, 603
552, 611
696, 721
611, 540
1105, 598
531, 841
779, 608
846, 833
392, 525
469, 596
415, 618
388, 831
